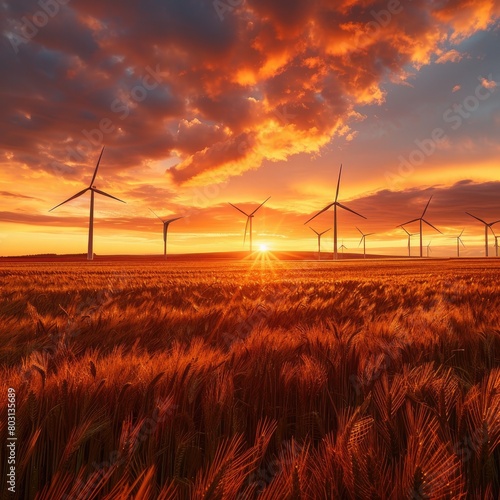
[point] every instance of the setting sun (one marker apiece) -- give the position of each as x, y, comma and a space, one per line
263, 247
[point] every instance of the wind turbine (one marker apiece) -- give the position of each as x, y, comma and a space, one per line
335, 204
409, 239
249, 220
319, 239
496, 242
429, 248
459, 242
486, 226
166, 223
422, 220
93, 190
342, 248
363, 240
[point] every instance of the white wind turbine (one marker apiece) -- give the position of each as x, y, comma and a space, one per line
166, 223
422, 220
487, 225
459, 242
363, 240
409, 239
319, 239
335, 204
249, 217
93, 190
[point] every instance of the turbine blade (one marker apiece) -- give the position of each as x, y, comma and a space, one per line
239, 209
461, 233
426, 207
404, 229
461, 242
493, 223
346, 208
338, 183
409, 222
325, 231
361, 241
314, 230
96, 167
429, 224
319, 213
480, 220
156, 215
259, 206
173, 220
360, 232
72, 198
106, 194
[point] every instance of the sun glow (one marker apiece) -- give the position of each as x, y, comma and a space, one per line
263, 247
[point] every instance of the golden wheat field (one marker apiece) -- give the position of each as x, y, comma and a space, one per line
246, 380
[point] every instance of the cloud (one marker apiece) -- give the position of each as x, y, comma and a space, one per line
157, 79
488, 84
16, 195
450, 56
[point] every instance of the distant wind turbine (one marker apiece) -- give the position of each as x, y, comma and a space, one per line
92, 189
409, 239
363, 240
249, 217
166, 223
335, 204
342, 247
429, 248
422, 220
487, 225
319, 239
459, 242
496, 242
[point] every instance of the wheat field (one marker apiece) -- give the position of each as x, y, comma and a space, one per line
246, 380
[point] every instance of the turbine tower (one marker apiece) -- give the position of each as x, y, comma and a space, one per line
249, 217
487, 225
409, 239
422, 220
363, 240
459, 242
93, 190
319, 239
335, 204
166, 223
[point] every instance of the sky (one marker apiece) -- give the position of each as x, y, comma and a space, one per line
202, 103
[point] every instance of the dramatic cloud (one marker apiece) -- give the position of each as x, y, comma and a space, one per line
223, 88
